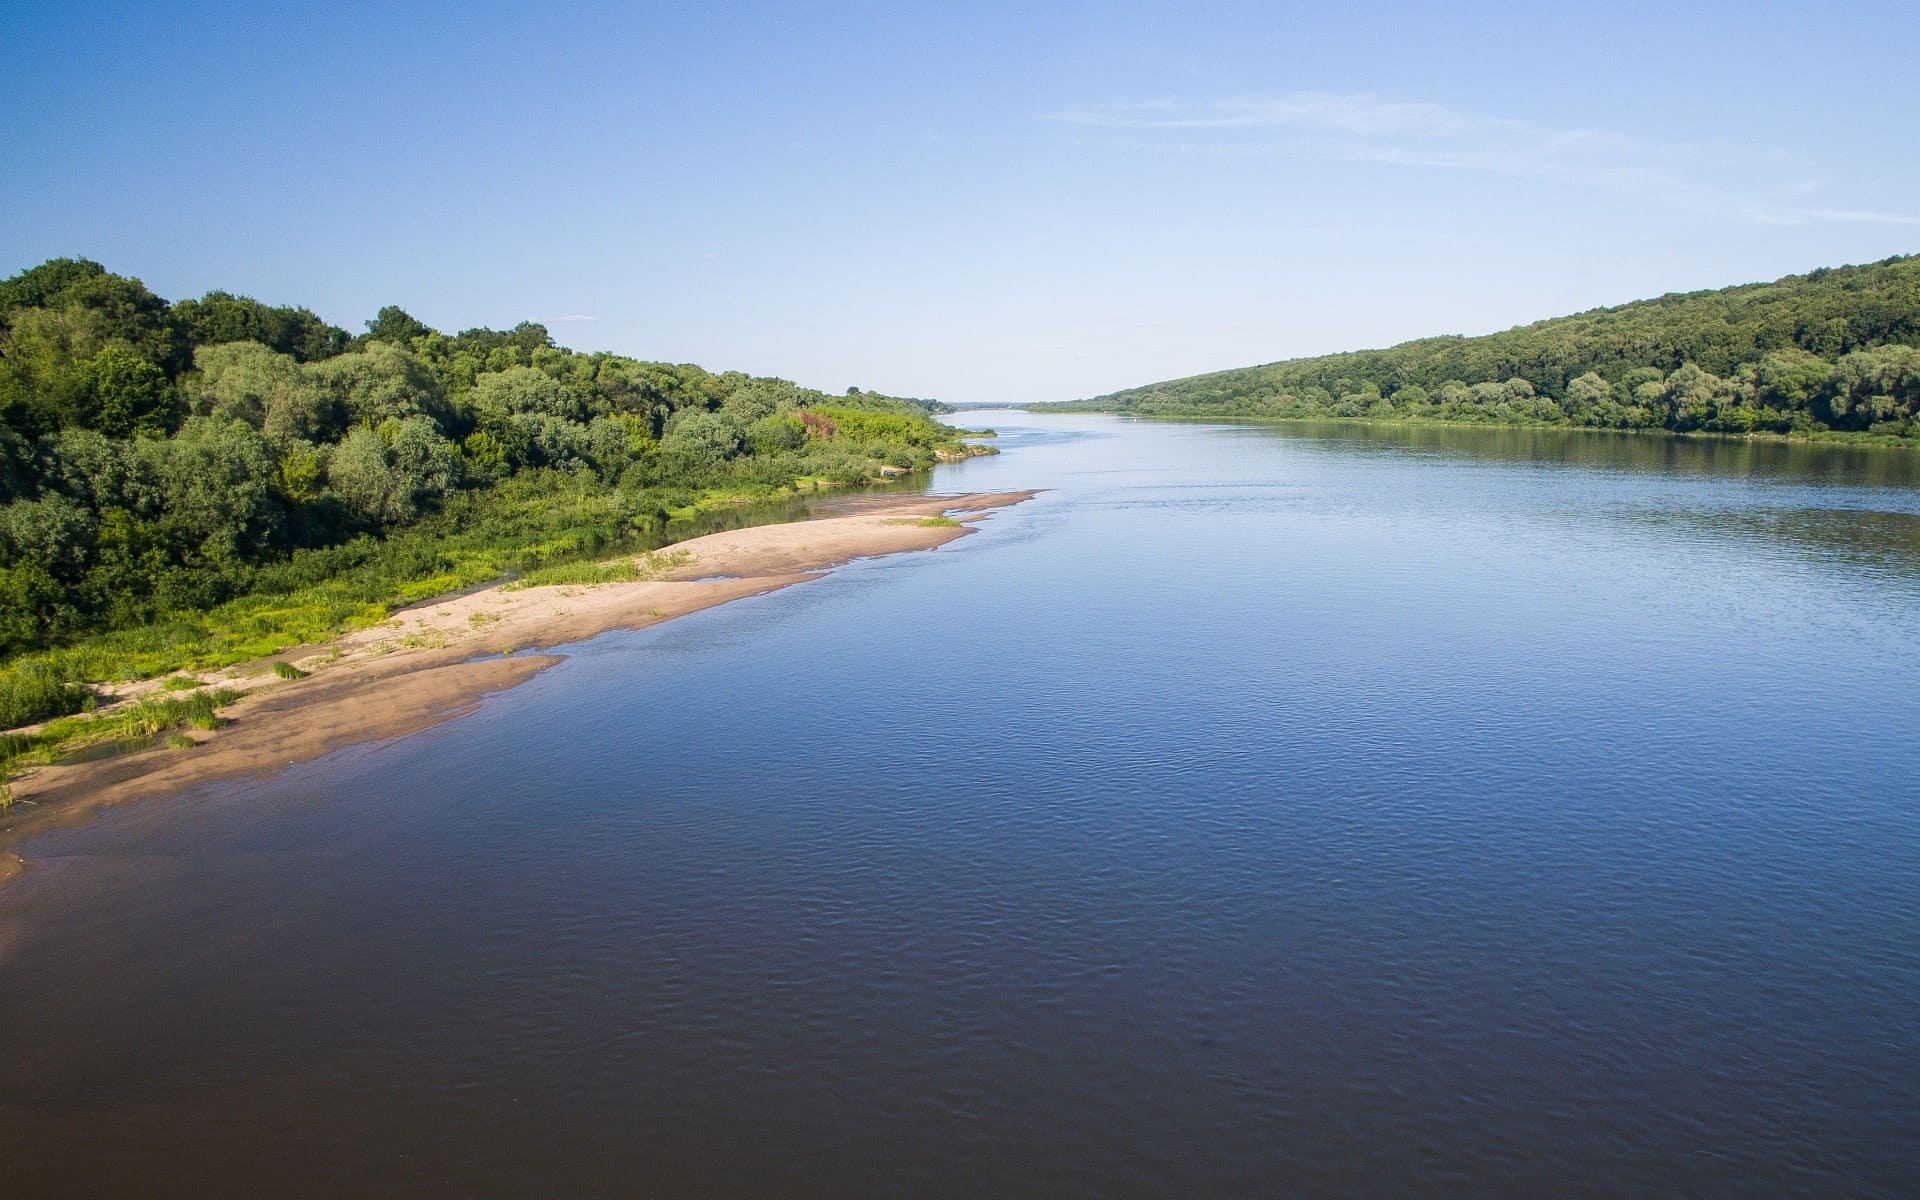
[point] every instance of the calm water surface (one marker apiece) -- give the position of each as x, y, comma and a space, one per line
1262, 811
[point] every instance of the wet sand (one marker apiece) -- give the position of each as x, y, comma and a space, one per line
432, 662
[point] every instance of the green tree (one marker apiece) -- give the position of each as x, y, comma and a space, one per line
519, 390
395, 326
54, 533
703, 440
219, 317
38, 287
269, 390
1587, 395
122, 394
386, 476
380, 382
215, 489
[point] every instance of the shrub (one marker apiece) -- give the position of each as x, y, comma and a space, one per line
33, 691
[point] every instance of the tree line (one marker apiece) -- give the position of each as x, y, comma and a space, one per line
1834, 351
160, 459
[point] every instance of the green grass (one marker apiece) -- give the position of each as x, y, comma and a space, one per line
617, 570
137, 723
630, 569
35, 690
287, 670
939, 521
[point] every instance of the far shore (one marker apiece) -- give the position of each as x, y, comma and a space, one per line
1839, 438
435, 661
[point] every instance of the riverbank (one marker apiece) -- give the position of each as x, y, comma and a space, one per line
1843, 438
434, 661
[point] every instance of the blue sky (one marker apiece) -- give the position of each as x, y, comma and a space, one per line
972, 202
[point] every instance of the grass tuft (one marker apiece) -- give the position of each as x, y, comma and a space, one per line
135, 725
643, 569
36, 691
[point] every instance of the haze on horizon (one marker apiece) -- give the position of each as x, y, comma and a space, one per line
993, 204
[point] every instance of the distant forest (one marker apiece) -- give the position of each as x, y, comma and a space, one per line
227, 477
1832, 352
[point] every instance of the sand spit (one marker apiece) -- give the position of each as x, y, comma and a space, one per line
432, 662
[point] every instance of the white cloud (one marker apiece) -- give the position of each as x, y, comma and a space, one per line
570, 318
1735, 181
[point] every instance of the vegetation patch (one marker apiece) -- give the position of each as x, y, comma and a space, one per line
35, 691
133, 726
641, 569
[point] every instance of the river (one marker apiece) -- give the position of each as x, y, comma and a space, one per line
1312, 810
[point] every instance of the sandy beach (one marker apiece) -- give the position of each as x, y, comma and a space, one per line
434, 661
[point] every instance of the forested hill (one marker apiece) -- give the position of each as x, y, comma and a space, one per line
208, 480
1832, 351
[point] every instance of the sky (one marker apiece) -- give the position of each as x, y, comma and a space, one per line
974, 202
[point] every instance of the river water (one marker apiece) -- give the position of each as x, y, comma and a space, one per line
1283, 810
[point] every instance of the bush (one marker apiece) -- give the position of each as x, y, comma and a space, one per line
33, 691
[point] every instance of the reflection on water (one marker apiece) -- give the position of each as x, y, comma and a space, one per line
1263, 810
1861, 503
1873, 542
1813, 463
